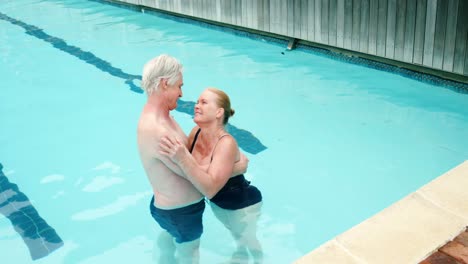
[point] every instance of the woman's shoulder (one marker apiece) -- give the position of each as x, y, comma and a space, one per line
227, 139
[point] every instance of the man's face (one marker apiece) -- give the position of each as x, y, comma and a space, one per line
174, 92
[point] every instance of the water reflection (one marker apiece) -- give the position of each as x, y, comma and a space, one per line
40, 238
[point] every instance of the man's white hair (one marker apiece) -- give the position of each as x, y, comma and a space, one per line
161, 67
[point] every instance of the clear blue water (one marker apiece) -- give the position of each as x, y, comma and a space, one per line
342, 141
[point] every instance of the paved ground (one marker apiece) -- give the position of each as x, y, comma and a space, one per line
454, 252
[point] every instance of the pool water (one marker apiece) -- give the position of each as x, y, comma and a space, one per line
330, 143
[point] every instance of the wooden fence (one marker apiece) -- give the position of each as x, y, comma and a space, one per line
429, 33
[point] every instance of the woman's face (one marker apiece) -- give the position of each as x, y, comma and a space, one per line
206, 108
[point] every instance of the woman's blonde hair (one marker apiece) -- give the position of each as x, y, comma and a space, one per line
224, 102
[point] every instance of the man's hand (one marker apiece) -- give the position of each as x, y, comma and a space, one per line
173, 149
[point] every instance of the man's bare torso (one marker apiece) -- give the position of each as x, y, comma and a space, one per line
170, 189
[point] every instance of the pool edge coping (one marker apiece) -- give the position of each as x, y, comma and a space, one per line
415, 226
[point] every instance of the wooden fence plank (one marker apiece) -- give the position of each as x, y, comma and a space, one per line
304, 19
439, 37
418, 50
340, 16
274, 16
318, 21
311, 20
450, 36
400, 29
290, 17
324, 19
217, 10
391, 24
253, 19
244, 11
332, 23
348, 24
409, 31
356, 25
429, 32
364, 26
466, 58
261, 15
373, 22
266, 15
382, 28
284, 17
461, 42
230, 13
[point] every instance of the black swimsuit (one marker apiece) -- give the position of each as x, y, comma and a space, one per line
237, 193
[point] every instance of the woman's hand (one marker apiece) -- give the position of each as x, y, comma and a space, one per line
173, 149
240, 167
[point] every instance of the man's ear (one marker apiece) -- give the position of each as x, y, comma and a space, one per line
164, 83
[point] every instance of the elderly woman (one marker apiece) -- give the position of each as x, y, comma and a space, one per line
234, 201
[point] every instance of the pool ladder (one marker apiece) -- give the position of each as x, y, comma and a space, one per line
292, 43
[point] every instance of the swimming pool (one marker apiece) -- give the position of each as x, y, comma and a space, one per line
330, 143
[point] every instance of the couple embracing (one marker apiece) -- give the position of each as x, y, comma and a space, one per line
187, 172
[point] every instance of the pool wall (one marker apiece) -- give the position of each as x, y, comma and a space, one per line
424, 35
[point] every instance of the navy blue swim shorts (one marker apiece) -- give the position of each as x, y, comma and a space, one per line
184, 224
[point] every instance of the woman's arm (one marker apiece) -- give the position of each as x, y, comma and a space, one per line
240, 167
170, 163
219, 172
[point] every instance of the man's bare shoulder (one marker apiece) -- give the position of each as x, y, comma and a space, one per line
149, 133
151, 123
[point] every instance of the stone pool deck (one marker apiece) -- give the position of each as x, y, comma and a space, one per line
417, 229
456, 252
